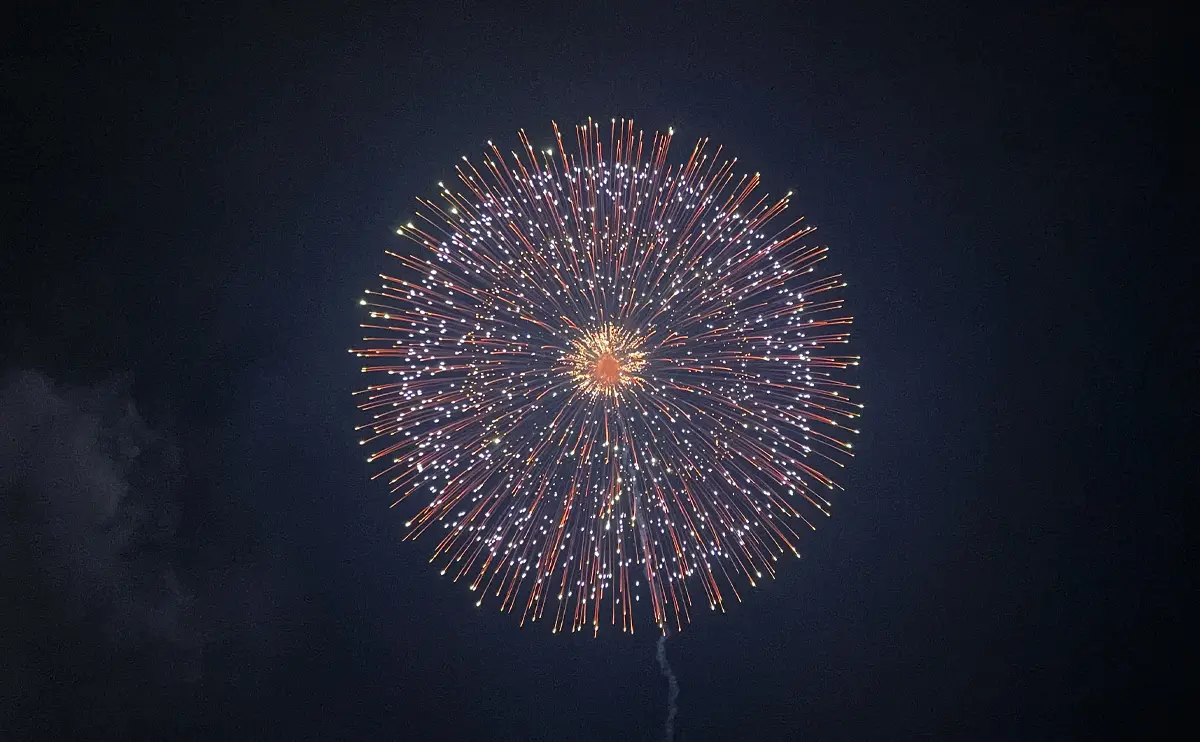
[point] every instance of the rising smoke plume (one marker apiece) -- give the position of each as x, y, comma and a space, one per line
672, 688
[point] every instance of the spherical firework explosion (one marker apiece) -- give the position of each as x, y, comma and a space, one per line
608, 379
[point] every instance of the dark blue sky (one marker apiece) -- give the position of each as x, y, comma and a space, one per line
194, 202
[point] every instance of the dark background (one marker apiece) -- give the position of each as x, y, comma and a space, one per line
194, 200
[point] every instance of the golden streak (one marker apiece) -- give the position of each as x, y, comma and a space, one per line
606, 360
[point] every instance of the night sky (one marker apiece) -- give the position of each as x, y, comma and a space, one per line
194, 202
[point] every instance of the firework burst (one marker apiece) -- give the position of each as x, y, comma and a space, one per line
608, 379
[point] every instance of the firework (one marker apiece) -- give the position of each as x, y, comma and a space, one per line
608, 379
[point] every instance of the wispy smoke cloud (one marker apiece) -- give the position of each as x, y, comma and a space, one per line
98, 586
89, 514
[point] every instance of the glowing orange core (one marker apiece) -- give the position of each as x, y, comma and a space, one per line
607, 370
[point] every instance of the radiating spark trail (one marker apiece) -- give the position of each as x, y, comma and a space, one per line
609, 380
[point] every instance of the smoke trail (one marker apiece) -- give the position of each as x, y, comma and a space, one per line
673, 687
